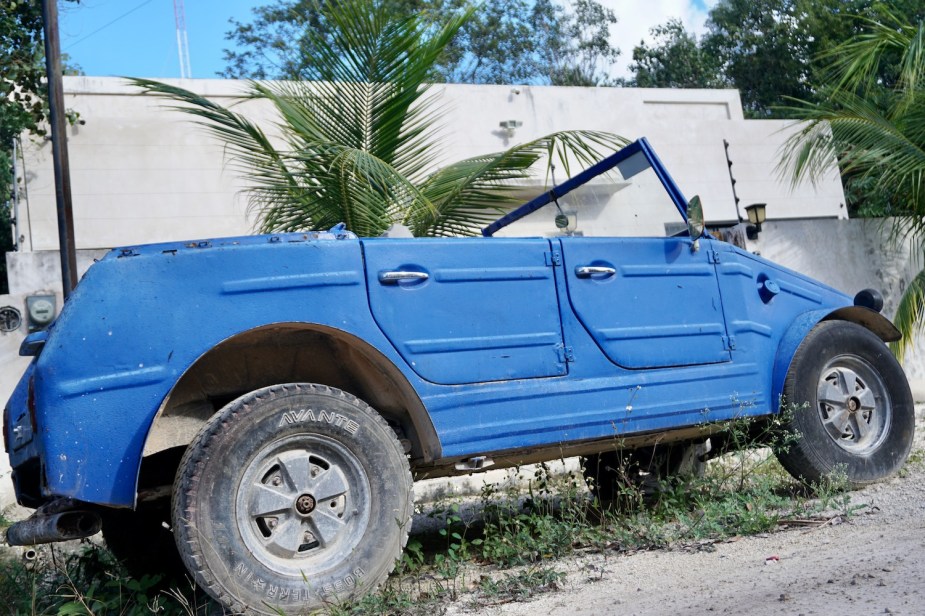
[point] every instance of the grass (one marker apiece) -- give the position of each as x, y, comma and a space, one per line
514, 551
86, 581
511, 551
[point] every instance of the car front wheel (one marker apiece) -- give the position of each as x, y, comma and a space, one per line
848, 407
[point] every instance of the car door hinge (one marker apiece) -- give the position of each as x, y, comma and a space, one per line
713, 257
565, 353
553, 258
729, 343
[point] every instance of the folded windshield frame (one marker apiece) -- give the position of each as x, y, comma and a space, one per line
640, 147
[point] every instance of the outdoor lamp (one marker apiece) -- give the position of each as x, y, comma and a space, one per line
756, 216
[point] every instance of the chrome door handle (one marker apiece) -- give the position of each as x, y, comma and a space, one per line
586, 271
387, 277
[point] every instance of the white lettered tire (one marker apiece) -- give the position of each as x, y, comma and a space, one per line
290, 498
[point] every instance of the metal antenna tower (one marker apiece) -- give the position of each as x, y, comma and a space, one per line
179, 14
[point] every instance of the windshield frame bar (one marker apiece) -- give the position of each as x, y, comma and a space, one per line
599, 168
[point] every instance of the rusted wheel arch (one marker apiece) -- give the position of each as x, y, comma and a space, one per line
290, 353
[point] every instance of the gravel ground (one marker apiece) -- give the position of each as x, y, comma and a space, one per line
872, 562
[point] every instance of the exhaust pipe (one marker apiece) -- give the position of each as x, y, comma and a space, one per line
29, 558
48, 528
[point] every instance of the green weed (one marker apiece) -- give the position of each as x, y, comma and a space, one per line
518, 586
88, 582
915, 461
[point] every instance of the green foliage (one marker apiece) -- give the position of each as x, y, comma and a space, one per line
509, 41
359, 141
873, 130
762, 49
571, 49
87, 582
675, 60
767, 49
545, 525
520, 586
23, 99
23, 105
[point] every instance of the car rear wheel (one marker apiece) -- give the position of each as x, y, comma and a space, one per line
290, 498
610, 474
848, 407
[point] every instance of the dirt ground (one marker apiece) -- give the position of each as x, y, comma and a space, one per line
871, 562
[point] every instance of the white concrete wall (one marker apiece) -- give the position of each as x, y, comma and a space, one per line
12, 368
143, 173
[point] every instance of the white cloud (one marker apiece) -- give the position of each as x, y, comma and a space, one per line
636, 17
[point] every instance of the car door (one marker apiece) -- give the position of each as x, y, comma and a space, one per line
467, 310
647, 302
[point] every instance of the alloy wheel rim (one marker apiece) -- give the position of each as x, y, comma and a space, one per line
302, 501
853, 404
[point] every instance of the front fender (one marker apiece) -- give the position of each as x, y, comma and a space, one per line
872, 320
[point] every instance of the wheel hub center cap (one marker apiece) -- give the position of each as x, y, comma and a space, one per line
305, 504
853, 404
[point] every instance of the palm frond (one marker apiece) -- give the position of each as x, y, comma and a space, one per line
470, 193
910, 315
358, 143
369, 85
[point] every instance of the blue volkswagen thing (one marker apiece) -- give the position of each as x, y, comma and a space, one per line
271, 397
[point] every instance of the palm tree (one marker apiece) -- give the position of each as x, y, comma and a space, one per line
872, 125
356, 143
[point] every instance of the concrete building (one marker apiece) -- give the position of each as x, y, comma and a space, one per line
143, 173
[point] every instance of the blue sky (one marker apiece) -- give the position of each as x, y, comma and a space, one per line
138, 37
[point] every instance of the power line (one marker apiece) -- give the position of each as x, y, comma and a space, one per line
106, 25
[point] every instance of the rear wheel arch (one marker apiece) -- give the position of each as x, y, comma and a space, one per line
287, 353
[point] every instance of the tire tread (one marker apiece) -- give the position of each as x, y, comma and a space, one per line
190, 467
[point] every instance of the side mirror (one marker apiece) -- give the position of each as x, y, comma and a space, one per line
695, 221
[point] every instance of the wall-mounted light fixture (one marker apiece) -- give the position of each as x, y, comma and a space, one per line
756, 215
510, 126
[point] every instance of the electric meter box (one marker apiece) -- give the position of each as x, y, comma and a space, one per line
40, 310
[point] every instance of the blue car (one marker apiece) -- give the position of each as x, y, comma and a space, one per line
272, 397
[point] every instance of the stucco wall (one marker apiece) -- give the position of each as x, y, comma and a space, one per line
142, 173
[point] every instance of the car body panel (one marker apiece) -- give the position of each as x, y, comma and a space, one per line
660, 308
465, 321
504, 344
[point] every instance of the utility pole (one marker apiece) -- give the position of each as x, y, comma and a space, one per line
59, 148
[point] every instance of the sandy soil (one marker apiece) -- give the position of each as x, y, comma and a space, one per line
872, 562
